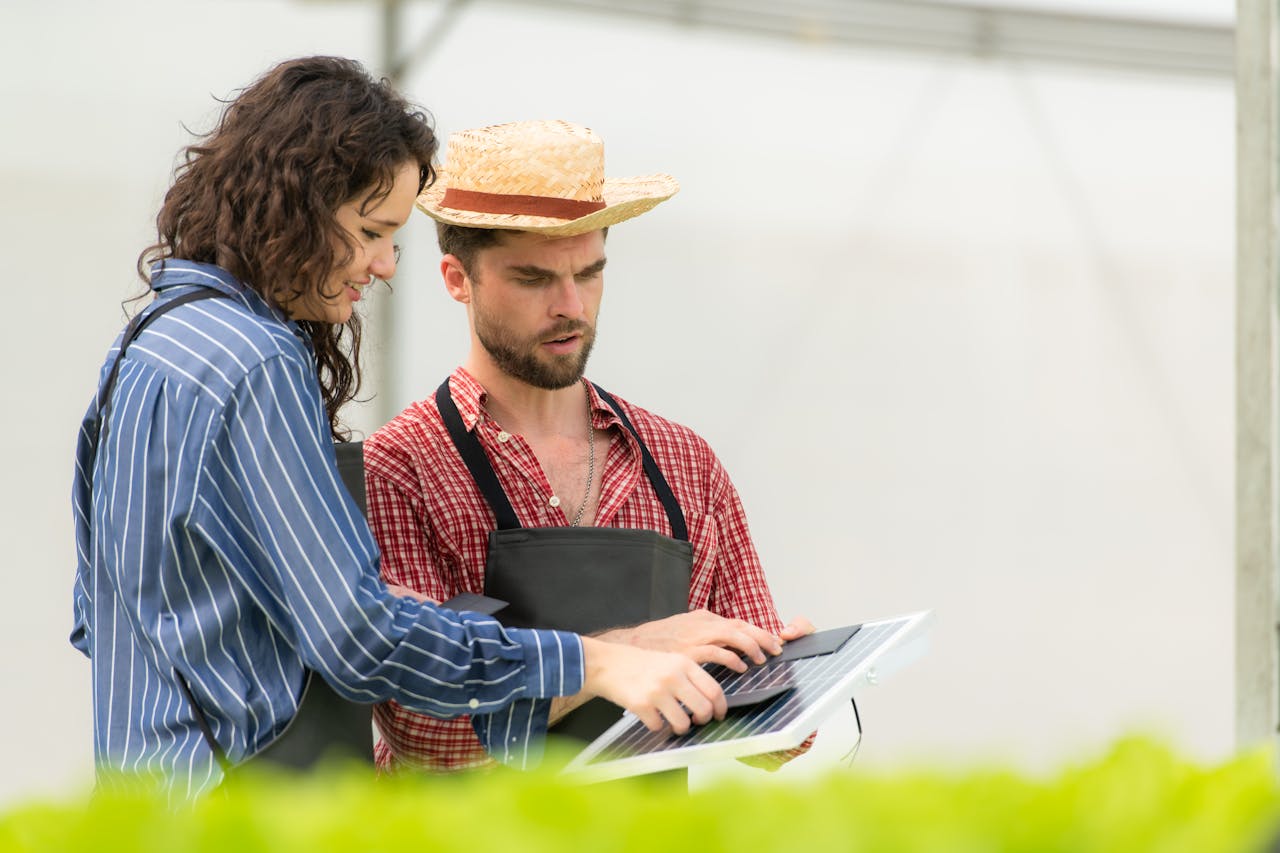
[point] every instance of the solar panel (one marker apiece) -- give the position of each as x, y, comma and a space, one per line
773, 706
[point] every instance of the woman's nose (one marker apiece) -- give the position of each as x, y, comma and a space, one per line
383, 264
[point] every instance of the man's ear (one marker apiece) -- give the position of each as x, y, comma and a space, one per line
455, 279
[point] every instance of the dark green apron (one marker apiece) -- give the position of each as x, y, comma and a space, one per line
581, 579
327, 724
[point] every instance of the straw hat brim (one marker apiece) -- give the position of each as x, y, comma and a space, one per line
624, 198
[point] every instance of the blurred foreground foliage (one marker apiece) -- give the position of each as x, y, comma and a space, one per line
1139, 797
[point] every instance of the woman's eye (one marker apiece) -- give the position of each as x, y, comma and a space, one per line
372, 235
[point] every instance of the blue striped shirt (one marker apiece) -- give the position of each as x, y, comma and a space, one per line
214, 536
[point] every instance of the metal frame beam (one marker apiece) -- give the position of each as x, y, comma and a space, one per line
396, 65
964, 29
1257, 421
980, 30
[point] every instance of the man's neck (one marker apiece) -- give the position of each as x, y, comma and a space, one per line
525, 409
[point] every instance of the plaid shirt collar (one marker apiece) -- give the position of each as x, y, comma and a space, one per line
469, 396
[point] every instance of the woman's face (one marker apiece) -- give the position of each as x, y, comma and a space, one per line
372, 231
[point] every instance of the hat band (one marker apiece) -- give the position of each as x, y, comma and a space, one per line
528, 205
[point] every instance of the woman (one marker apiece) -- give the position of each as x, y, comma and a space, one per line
219, 558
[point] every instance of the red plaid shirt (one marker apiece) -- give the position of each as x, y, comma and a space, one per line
433, 524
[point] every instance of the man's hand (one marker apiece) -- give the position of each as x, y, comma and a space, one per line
405, 592
655, 686
704, 637
798, 628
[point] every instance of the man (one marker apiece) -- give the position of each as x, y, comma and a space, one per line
521, 480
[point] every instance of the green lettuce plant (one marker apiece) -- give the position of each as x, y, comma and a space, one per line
1139, 797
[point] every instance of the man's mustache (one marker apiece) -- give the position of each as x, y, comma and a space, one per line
563, 330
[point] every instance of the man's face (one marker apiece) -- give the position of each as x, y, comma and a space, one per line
534, 302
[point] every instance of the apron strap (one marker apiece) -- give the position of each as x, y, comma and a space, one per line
486, 479
477, 463
135, 327
203, 722
131, 332
675, 516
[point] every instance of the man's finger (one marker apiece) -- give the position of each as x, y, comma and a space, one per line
798, 628
763, 640
753, 642
406, 592
749, 647
717, 654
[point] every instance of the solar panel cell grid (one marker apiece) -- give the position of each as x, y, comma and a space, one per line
811, 679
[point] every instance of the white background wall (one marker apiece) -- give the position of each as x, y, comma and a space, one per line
961, 332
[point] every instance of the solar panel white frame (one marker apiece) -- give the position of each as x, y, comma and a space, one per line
823, 684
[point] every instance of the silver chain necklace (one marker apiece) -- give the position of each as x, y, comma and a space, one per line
591, 465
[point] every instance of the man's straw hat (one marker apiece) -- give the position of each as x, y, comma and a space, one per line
541, 176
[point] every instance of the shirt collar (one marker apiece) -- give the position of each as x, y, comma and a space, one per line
602, 416
175, 272
469, 396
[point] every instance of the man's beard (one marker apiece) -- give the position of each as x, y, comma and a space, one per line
522, 360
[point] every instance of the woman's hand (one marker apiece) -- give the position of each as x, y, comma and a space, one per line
655, 686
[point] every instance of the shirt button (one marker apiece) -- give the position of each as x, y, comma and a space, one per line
474, 703
555, 501
504, 436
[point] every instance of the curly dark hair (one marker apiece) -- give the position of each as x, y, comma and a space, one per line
258, 194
